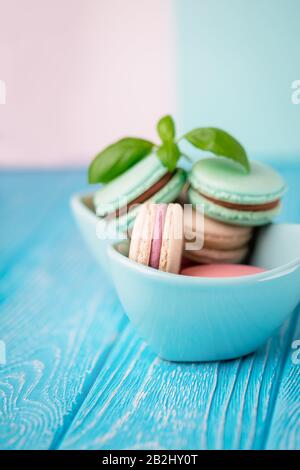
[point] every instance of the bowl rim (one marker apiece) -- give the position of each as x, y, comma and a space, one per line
147, 271
76, 200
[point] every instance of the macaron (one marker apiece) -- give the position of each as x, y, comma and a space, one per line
157, 237
221, 270
210, 255
226, 193
213, 233
212, 241
148, 180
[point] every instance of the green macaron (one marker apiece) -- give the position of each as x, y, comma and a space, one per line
228, 194
148, 180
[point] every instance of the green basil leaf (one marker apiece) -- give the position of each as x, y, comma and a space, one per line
166, 129
169, 154
117, 158
220, 143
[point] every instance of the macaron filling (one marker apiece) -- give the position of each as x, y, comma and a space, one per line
145, 196
243, 207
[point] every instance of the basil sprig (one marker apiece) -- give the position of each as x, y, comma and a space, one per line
166, 129
117, 158
219, 143
123, 154
168, 152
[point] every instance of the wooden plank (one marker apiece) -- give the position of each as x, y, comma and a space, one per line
26, 199
284, 432
59, 319
140, 401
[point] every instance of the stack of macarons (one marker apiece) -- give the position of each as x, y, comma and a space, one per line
148, 180
158, 238
227, 204
232, 203
218, 242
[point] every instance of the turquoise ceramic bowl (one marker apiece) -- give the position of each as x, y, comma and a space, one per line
202, 319
88, 223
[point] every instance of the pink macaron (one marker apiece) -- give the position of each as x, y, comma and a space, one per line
221, 270
157, 237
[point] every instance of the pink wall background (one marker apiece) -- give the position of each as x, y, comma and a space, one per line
80, 74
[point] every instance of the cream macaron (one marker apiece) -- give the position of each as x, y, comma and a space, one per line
157, 237
218, 242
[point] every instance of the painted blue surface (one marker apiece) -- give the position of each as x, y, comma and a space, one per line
236, 62
77, 375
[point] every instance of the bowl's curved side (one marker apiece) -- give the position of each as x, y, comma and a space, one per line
87, 223
184, 320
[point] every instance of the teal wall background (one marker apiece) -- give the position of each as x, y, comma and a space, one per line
236, 63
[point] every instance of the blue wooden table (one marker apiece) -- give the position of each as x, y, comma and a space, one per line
77, 376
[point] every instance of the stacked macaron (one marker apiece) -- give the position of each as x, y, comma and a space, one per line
148, 180
217, 242
157, 237
233, 203
229, 195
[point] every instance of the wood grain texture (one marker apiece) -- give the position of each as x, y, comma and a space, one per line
140, 401
59, 318
77, 376
284, 430
26, 199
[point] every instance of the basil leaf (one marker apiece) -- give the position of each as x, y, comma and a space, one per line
220, 143
166, 129
169, 154
117, 158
